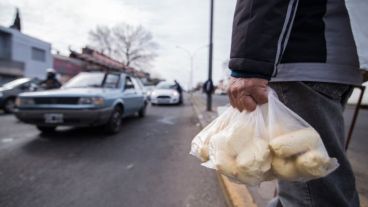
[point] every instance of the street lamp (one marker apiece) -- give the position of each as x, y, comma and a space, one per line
191, 57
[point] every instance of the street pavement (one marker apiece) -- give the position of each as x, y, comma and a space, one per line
147, 164
357, 152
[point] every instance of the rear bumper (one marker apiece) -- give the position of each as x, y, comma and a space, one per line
80, 117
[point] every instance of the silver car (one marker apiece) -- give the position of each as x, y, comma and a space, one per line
165, 93
88, 99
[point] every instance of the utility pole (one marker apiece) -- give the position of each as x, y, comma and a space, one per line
210, 59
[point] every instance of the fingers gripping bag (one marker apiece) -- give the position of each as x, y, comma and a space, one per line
237, 146
298, 153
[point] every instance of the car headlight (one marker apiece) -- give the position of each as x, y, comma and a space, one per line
154, 93
24, 101
97, 101
175, 93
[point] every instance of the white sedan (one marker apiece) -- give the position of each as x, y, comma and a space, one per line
165, 93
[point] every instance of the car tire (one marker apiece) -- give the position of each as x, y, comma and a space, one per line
153, 104
46, 129
142, 111
113, 126
9, 105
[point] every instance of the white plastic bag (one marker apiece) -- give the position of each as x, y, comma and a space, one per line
270, 142
298, 151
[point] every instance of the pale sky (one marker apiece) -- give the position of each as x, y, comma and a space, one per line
183, 23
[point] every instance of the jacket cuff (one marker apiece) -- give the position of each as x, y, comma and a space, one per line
249, 68
245, 74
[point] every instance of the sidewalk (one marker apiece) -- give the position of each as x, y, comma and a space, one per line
242, 196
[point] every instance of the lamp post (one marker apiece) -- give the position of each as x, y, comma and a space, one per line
210, 58
191, 57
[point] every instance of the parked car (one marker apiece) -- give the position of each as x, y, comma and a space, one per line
219, 91
165, 93
88, 99
354, 98
10, 91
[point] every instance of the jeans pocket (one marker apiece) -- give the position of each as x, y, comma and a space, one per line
332, 91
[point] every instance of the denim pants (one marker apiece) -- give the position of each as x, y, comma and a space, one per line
321, 105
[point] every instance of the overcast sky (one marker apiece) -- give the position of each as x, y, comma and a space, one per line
173, 23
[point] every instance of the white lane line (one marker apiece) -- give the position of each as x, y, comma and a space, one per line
167, 120
7, 140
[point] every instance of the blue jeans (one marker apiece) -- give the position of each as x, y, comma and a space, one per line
322, 106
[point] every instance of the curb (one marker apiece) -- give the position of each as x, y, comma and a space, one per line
236, 195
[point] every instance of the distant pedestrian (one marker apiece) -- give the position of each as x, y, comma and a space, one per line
305, 51
180, 91
208, 87
51, 81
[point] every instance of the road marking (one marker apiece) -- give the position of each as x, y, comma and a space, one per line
130, 166
7, 140
167, 120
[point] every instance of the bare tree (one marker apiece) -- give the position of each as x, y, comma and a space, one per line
102, 39
133, 45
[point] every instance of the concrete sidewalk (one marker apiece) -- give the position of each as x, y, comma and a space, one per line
240, 195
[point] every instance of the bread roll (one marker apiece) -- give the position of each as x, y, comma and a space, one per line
296, 142
285, 168
315, 163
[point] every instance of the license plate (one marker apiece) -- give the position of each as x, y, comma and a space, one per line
54, 118
161, 100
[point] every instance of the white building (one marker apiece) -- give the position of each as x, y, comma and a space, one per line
22, 55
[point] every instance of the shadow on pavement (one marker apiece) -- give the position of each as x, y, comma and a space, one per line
68, 142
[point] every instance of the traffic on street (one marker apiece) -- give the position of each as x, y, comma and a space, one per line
148, 159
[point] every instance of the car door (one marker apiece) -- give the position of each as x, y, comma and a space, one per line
130, 96
141, 96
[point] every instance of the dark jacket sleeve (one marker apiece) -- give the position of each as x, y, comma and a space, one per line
260, 31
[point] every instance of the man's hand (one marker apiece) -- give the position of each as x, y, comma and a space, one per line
246, 93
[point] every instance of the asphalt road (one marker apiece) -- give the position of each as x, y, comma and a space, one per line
147, 164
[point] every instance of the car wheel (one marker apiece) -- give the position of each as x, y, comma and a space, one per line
46, 129
9, 105
142, 111
153, 104
113, 126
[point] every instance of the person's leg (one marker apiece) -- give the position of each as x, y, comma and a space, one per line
321, 105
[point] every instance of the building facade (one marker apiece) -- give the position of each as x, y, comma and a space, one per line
22, 55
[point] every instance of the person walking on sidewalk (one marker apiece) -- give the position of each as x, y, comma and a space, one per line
305, 51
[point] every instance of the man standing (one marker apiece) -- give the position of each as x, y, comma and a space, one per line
179, 89
304, 50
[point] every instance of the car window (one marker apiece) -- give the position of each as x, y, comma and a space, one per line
83, 80
166, 85
129, 83
112, 80
138, 84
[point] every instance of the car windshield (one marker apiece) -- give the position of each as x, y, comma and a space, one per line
165, 85
85, 80
16, 83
